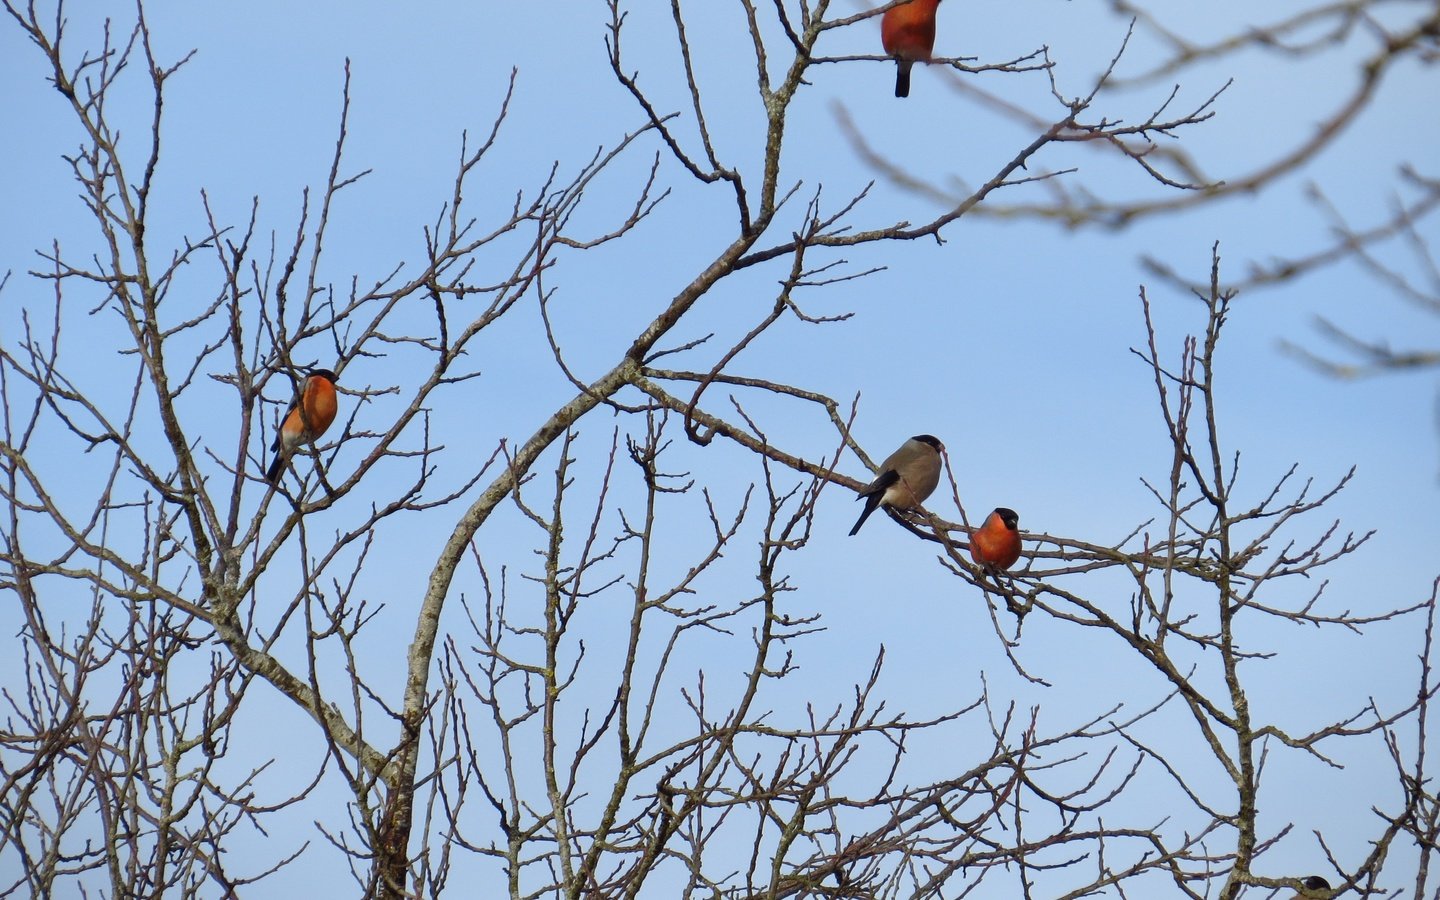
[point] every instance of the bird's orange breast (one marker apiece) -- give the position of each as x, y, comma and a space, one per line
320, 405
908, 31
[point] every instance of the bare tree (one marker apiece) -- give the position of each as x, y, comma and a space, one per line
587, 694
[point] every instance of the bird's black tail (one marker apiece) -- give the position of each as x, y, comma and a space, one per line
871, 502
272, 474
902, 78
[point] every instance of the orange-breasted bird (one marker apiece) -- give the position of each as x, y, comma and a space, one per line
907, 32
906, 478
997, 542
310, 413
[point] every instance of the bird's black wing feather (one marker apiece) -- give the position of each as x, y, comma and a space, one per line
883, 481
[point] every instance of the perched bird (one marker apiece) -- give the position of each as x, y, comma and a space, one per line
906, 478
310, 413
997, 542
1313, 883
907, 32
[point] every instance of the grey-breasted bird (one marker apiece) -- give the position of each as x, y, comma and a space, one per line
906, 477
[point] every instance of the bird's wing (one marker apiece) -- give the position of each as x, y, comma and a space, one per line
882, 481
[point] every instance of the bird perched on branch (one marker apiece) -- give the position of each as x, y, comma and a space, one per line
997, 541
310, 413
1313, 887
906, 478
907, 32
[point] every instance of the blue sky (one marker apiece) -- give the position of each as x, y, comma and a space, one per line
1010, 341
